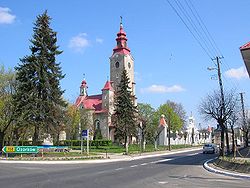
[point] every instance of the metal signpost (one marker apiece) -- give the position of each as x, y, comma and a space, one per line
85, 134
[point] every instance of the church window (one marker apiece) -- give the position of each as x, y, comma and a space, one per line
129, 65
97, 124
117, 64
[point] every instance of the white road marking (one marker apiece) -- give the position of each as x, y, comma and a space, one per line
133, 166
162, 182
192, 154
143, 164
119, 169
160, 161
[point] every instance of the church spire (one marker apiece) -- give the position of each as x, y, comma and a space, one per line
121, 40
84, 87
121, 26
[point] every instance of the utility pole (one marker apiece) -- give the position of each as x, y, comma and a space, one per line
222, 110
245, 128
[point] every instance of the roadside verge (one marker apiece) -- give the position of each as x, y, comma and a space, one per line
208, 165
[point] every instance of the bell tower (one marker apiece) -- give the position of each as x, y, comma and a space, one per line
120, 60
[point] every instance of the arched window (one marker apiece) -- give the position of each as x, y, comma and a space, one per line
97, 124
117, 64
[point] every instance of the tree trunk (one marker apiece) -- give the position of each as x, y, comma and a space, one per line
222, 145
1, 140
234, 144
142, 142
35, 136
246, 138
126, 144
227, 141
169, 146
155, 144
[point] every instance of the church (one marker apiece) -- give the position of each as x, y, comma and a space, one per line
100, 107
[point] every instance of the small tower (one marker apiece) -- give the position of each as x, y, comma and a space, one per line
108, 97
120, 60
83, 88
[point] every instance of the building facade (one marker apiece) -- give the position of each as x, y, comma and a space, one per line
99, 108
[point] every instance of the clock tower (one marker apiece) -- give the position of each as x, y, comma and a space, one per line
120, 60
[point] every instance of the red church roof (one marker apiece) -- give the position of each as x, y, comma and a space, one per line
108, 86
245, 46
93, 102
121, 40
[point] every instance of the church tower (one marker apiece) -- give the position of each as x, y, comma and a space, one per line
120, 60
83, 88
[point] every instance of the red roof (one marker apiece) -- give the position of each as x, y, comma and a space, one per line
108, 86
84, 84
121, 42
162, 122
245, 46
93, 102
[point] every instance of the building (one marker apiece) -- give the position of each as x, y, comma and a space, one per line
100, 107
245, 52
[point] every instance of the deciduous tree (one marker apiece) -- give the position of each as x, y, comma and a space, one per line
7, 89
211, 108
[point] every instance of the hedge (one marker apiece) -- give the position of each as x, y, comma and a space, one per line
91, 143
70, 143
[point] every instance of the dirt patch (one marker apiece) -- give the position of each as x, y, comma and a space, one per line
235, 165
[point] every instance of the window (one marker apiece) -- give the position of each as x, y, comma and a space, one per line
117, 64
129, 65
97, 124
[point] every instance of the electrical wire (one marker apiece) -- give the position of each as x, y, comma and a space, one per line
201, 34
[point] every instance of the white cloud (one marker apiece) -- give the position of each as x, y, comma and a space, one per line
162, 89
5, 16
99, 40
239, 73
79, 42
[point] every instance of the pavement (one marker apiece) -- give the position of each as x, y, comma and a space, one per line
208, 165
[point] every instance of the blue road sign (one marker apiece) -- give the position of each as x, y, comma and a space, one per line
85, 133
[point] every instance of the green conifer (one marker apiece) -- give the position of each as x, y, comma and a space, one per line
38, 99
124, 117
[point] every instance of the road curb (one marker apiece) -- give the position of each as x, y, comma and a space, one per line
232, 174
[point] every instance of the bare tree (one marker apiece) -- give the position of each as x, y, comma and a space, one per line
232, 122
212, 107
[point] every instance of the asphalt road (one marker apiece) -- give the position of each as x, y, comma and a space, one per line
175, 170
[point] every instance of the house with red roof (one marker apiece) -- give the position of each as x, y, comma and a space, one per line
100, 107
245, 52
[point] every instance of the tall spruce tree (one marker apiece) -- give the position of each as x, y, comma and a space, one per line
38, 99
124, 117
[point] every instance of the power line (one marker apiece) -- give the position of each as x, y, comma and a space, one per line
202, 35
204, 28
193, 25
189, 29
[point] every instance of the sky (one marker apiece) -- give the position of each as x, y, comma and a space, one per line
171, 59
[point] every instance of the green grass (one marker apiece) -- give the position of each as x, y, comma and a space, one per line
133, 148
235, 160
